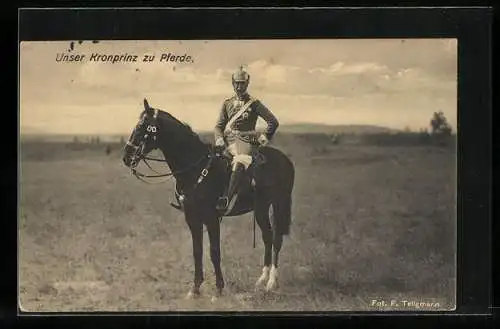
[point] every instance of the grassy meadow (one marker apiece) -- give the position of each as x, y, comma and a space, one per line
373, 219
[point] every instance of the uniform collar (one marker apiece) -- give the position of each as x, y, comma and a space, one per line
245, 97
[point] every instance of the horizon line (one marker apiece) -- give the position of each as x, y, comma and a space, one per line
283, 125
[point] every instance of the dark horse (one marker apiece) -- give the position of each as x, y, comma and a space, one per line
201, 174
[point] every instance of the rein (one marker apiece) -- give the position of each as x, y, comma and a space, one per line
138, 174
141, 176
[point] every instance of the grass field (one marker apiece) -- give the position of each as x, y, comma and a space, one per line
369, 222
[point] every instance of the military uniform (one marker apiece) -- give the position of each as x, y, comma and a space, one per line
235, 127
243, 144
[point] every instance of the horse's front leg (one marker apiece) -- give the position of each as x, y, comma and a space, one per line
213, 229
196, 228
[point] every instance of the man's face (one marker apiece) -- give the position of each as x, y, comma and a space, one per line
240, 87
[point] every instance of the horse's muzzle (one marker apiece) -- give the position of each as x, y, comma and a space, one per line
130, 162
126, 161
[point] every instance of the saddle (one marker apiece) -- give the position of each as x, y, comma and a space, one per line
245, 199
258, 158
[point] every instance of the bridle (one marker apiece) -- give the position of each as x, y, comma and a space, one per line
139, 156
141, 176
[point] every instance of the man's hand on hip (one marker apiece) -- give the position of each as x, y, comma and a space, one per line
263, 140
219, 142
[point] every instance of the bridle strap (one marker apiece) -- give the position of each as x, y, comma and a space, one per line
170, 173
139, 175
153, 159
135, 147
149, 166
203, 174
145, 181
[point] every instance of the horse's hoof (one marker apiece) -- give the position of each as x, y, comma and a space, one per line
218, 294
192, 295
272, 284
261, 281
264, 277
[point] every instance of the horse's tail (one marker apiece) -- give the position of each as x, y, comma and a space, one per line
284, 174
282, 208
282, 212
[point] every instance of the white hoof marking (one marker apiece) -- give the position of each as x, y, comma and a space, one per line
273, 279
272, 284
191, 295
264, 277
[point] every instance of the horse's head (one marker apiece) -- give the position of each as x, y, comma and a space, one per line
159, 129
143, 138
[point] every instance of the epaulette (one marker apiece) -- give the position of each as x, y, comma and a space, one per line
232, 98
254, 99
229, 99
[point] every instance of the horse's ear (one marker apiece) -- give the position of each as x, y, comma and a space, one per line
148, 109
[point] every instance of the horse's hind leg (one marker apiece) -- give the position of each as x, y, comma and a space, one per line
278, 213
262, 219
277, 242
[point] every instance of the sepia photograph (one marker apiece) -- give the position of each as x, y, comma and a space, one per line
297, 175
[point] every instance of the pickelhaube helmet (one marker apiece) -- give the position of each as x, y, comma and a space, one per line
241, 76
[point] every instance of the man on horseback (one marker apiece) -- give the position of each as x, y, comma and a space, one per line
235, 128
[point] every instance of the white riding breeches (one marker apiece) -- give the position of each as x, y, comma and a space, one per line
244, 159
241, 152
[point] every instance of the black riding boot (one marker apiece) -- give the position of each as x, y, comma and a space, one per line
232, 188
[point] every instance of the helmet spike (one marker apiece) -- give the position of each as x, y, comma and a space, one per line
241, 75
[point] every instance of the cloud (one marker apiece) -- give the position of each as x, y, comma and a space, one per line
187, 88
386, 82
270, 73
342, 79
341, 68
152, 78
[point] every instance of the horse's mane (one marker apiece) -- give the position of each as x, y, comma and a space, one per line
181, 124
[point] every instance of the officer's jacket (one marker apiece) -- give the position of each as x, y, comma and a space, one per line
248, 120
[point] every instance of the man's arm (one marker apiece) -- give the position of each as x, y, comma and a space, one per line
220, 125
270, 118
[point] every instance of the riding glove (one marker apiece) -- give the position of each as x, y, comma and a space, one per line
219, 141
263, 140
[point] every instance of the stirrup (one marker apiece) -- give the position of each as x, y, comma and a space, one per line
179, 205
222, 203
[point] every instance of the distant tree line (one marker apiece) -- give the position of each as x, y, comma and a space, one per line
87, 139
439, 134
93, 139
439, 124
79, 143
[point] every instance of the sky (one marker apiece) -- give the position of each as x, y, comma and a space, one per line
395, 83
